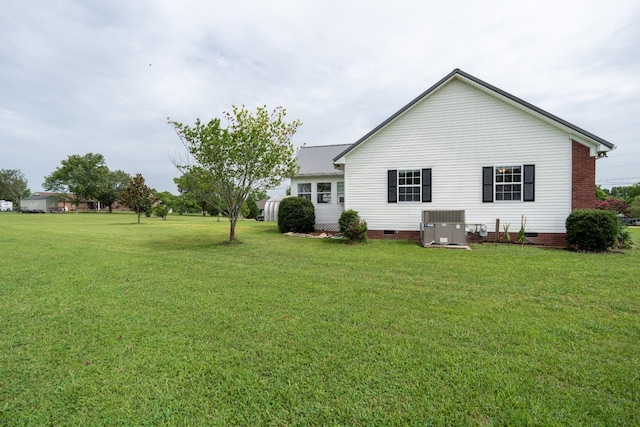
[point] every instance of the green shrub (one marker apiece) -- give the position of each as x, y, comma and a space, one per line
161, 211
296, 214
250, 208
592, 229
623, 238
352, 226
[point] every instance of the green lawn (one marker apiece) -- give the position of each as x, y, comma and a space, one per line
106, 322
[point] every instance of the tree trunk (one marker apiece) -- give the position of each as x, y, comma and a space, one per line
139, 213
232, 229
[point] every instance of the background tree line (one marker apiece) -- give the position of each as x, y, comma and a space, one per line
81, 178
623, 199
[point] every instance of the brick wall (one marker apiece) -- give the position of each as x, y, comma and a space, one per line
395, 235
557, 240
583, 178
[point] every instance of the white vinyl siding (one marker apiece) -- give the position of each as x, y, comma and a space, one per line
326, 213
459, 129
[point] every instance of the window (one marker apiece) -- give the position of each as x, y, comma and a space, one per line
324, 192
508, 183
304, 190
409, 185
340, 192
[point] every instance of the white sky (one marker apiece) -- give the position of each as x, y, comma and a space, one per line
103, 76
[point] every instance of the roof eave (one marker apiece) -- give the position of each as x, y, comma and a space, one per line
306, 175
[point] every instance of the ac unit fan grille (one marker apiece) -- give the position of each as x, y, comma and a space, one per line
443, 217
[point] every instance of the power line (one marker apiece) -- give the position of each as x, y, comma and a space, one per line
631, 178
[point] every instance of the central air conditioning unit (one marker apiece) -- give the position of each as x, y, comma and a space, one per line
443, 228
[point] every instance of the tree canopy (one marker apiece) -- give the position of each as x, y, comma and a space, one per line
626, 193
79, 175
198, 184
111, 187
254, 152
13, 185
137, 196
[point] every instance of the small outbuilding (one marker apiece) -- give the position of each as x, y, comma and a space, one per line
271, 208
39, 204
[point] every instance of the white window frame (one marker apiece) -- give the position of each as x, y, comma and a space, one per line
409, 182
340, 191
510, 176
305, 194
324, 196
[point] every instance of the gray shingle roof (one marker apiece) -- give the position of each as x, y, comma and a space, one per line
318, 160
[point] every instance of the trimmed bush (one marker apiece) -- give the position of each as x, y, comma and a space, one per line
592, 229
296, 214
161, 211
352, 226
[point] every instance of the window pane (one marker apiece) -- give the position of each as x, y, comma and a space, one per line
304, 188
409, 185
323, 192
324, 187
507, 179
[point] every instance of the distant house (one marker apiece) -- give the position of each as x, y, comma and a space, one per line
461, 145
38, 203
321, 182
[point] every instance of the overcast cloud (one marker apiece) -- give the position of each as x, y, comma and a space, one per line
103, 76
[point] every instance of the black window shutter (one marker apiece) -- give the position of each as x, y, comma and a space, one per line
426, 185
392, 186
529, 193
487, 184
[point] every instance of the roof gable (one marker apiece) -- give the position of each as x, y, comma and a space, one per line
499, 93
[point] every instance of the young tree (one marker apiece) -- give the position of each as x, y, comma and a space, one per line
114, 183
137, 196
612, 204
13, 185
81, 175
252, 153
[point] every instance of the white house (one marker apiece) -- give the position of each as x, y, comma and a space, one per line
321, 182
461, 145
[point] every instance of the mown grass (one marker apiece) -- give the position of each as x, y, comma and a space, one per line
106, 322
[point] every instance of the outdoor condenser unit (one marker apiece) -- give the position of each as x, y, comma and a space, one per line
443, 228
